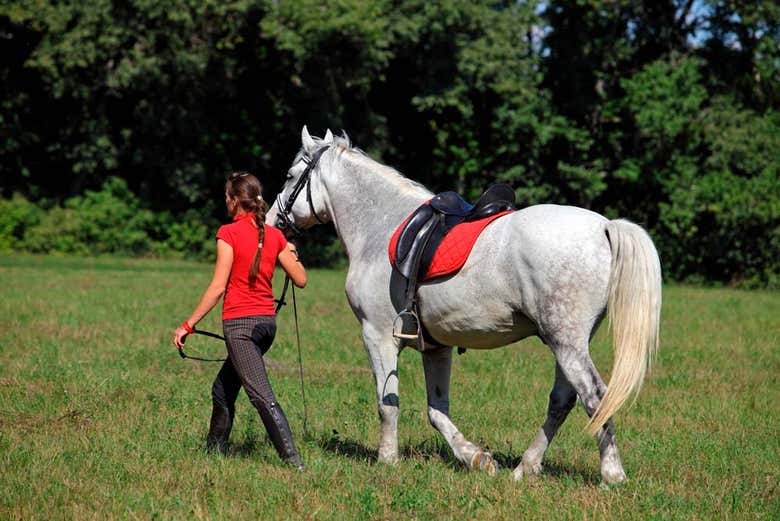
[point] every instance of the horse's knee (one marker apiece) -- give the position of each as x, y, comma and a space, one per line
388, 412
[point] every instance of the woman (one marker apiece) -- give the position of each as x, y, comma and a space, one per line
247, 251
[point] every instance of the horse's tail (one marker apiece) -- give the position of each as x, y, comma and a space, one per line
634, 310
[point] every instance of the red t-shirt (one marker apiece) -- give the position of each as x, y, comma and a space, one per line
241, 299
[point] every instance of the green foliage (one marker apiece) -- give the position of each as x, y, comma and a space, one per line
662, 112
109, 221
715, 169
16, 215
666, 97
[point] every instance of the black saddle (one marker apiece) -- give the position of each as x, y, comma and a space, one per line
430, 223
423, 233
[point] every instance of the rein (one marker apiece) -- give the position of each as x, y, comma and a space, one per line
279, 303
204, 333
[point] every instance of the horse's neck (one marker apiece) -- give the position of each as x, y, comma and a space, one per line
368, 202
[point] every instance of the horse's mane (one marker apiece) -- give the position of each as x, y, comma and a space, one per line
347, 152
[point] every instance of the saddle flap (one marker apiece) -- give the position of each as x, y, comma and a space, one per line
414, 248
410, 230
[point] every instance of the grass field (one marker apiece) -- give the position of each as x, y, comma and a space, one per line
100, 418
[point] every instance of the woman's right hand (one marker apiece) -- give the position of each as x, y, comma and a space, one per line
288, 258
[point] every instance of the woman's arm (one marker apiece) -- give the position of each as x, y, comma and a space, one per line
213, 292
288, 258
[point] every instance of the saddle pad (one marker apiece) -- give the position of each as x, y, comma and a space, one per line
454, 249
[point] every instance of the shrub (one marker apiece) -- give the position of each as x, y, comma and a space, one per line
17, 214
107, 221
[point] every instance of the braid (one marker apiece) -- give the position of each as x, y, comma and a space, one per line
259, 210
248, 191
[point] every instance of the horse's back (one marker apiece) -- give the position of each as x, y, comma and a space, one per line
541, 264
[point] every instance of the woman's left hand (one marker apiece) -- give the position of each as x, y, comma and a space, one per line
179, 337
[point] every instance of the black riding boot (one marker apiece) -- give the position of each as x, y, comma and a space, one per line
219, 428
279, 431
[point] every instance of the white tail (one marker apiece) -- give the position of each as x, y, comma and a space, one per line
634, 311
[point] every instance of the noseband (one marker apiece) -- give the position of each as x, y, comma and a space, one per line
283, 219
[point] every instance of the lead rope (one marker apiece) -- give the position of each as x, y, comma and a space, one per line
300, 363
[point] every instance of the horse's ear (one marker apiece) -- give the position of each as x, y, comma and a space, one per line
328, 137
306, 140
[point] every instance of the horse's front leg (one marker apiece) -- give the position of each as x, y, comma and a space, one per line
437, 364
383, 356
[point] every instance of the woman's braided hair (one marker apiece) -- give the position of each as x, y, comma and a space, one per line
248, 192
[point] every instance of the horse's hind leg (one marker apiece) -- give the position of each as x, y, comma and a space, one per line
578, 368
437, 364
562, 400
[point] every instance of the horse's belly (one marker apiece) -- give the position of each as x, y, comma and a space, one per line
486, 326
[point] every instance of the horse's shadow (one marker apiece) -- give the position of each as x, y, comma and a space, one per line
432, 449
339, 446
551, 469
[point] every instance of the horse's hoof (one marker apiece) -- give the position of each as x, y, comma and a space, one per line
390, 458
532, 469
484, 461
613, 478
524, 469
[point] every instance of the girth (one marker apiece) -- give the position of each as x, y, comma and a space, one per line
424, 231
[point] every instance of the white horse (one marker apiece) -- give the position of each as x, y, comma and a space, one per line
547, 270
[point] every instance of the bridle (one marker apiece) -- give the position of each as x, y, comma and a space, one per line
283, 220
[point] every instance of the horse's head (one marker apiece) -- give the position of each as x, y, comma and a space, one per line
302, 201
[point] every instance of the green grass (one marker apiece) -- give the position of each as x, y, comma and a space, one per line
100, 418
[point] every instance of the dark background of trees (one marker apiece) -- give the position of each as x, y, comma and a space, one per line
120, 119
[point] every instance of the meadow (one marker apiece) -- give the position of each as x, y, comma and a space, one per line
101, 419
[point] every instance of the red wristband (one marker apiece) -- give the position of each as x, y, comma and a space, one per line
190, 330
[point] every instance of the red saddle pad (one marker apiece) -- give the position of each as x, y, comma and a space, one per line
454, 249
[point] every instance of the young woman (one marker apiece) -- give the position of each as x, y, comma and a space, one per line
247, 251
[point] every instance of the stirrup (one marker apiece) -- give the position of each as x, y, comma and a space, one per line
399, 333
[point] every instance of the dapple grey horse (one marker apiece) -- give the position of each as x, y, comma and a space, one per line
547, 270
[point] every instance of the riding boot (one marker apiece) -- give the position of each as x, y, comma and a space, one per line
219, 428
279, 431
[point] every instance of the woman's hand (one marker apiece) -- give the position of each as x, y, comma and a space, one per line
288, 259
179, 337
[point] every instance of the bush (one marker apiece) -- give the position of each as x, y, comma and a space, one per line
16, 215
188, 236
111, 220
108, 221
